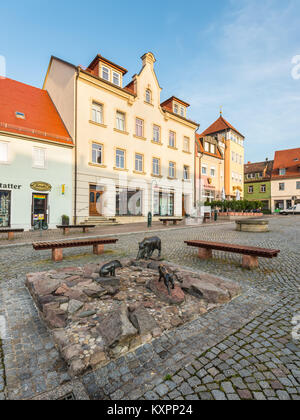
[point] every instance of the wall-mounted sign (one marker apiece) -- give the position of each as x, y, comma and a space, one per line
10, 186
40, 186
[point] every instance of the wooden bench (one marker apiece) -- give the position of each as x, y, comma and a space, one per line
250, 254
165, 220
57, 246
66, 228
11, 232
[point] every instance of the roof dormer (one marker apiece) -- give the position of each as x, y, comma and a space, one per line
176, 106
107, 70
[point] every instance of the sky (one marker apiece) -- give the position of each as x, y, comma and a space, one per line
243, 55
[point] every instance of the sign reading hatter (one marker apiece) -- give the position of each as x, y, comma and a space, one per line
35, 161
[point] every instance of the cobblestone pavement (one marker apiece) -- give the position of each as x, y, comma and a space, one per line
244, 350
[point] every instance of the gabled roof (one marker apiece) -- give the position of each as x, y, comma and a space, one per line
259, 167
99, 57
219, 125
201, 149
169, 102
289, 160
42, 119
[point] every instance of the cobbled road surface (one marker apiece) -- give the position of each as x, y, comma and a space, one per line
247, 349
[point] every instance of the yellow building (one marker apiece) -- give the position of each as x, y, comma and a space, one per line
133, 153
231, 144
209, 169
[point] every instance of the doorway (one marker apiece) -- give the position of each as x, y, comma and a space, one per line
39, 208
95, 201
5, 200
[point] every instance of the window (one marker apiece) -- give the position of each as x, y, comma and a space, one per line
156, 133
120, 120
263, 188
20, 115
155, 166
116, 78
176, 110
148, 96
120, 159
129, 201
97, 113
182, 111
171, 139
138, 162
281, 186
298, 185
233, 156
139, 127
212, 148
5, 207
105, 73
186, 172
204, 170
171, 169
206, 146
3, 151
39, 157
212, 172
288, 204
282, 171
186, 144
250, 189
97, 154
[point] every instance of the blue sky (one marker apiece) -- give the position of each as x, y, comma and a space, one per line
234, 53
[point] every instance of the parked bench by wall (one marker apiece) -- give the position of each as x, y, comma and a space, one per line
11, 232
66, 228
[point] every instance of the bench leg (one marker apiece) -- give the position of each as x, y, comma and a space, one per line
204, 253
11, 236
98, 249
249, 262
165, 223
85, 230
66, 231
57, 254
174, 222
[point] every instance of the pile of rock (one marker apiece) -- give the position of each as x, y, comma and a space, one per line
95, 319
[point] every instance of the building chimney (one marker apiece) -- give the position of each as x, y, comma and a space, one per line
148, 58
248, 163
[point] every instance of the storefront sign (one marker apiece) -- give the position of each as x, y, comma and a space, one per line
10, 186
40, 186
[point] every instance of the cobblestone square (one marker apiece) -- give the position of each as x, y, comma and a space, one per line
247, 349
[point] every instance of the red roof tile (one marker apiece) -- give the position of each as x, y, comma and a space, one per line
289, 160
42, 119
219, 125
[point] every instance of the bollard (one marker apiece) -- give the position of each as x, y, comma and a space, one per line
149, 219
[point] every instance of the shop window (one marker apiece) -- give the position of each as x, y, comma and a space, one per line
163, 203
128, 202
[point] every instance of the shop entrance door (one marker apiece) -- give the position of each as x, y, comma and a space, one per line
39, 208
95, 207
5, 199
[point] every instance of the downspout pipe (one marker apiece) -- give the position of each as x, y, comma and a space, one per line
76, 148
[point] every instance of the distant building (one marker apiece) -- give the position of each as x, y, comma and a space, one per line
35, 158
285, 183
231, 145
209, 169
257, 182
134, 153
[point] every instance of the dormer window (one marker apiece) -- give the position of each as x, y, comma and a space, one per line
20, 115
282, 171
105, 73
176, 109
148, 96
182, 111
116, 78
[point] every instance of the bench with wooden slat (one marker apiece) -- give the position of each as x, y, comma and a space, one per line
165, 220
66, 228
11, 232
250, 253
57, 246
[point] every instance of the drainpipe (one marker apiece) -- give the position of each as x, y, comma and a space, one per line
76, 159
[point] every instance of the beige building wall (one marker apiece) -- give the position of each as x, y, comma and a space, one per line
209, 185
234, 164
290, 191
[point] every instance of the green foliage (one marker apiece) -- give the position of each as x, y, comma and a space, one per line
65, 220
234, 205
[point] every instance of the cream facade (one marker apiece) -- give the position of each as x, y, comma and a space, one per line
133, 154
285, 193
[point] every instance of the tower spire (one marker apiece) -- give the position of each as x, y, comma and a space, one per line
221, 111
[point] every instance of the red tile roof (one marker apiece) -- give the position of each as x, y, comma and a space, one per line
289, 160
219, 125
42, 119
201, 148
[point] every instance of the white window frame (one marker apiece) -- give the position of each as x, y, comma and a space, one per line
281, 189
186, 144
172, 138
176, 109
155, 166
120, 122
97, 112
114, 73
139, 162
4, 158
102, 73
156, 133
99, 149
282, 171
139, 126
148, 96
172, 170
35, 163
263, 188
213, 172
186, 172
204, 170
182, 111
206, 146
120, 158
250, 188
